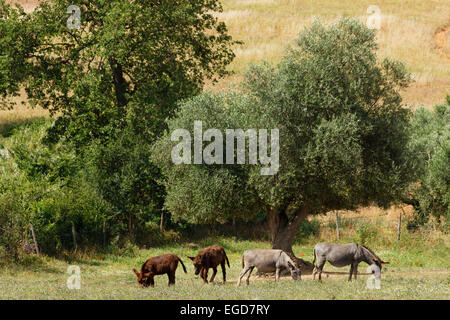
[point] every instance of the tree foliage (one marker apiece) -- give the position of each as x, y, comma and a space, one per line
343, 135
136, 57
430, 143
110, 85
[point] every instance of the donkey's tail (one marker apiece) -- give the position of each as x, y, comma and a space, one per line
184, 268
226, 258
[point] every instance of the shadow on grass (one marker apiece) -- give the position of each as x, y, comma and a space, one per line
33, 265
90, 263
7, 128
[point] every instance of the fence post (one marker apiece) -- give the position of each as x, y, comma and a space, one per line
34, 239
337, 226
399, 227
161, 222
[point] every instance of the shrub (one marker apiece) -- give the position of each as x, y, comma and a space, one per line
54, 214
430, 142
43, 185
16, 192
154, 236
308, 229
365, 233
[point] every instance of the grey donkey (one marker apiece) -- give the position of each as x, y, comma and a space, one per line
341, 255
268, 260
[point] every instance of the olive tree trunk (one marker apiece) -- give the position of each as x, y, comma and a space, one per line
283, 230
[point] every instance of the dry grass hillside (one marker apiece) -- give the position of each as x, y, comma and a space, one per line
414, 31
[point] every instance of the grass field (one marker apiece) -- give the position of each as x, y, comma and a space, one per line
419, 268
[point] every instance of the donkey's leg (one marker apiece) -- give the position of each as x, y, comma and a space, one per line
355, 269
224, 273
213, 275
204, 275
315, 271
248, 277
151, 281
351, 272
320, 267
171, 276
242, 274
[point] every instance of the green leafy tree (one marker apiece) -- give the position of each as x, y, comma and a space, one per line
111, 76
342, 135
43, 185
143, 54
430, 143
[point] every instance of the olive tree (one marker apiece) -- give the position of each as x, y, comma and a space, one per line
342, 135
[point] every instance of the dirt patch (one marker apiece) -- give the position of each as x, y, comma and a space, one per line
344, 275
28, 5
441, 42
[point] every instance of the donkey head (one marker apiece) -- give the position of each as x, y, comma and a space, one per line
293, 267
142, 278
200, 261
372, 258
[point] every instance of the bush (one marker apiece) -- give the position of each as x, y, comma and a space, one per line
430, 142
124, 176
16, 192
365, 233
54, 215
43, 185
154, 236
308, 229
127, 249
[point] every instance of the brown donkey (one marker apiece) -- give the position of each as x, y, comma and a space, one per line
210, 257
166, 263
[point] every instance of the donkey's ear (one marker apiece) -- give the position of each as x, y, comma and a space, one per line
192, 258
136, 272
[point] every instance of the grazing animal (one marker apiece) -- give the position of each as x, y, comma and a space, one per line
210, 257
268, 260
166, 263
341, 255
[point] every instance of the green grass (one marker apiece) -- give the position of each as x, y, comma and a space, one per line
111, 277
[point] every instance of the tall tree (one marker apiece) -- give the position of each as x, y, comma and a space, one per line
111, 72
91, 67
342, 135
